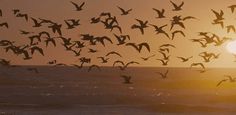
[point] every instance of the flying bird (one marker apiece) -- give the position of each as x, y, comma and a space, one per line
232, 7
159, 30
4, 24
185, 59
147, 58
139, 47
124, 12
164, 62
159, 12
230, 79
113, 53
36, 22
78, 7
198, 64
141, 26
177, 31
104, 60
123, 66
177, 7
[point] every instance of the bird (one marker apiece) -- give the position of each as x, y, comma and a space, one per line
230, 79
77, 53
219, 15
22, 15
94, 66
25, 32
165, 57
167, 45
177, 20
124, 12
177, 7
73, 23
147, 58
15, 11
159, 30
104, 59
78, 7
92, 50
164, 62
4, 24
106, 14
123, 65
141, 26
36, 48
197, 64
177, 31
189, 17
113, 53
185, 59
230, 27
95, 20
232, 7
159, 12
56, 28
139, 47
163, 75
36, 22
50, 40
121, 39
101, 40
127, 79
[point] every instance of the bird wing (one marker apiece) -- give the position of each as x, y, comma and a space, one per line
224, 80
133, 45
144, 45
118, 61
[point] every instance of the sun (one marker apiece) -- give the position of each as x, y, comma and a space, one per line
231, 47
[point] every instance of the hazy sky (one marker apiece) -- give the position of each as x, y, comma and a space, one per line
60, 10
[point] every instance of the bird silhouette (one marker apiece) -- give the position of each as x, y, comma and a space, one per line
199, 41
219, 15
106, 14
167, 45
4, 24
159, 12
113, 53
121, 39
177, 31
147, 58
36, 48
77, 53
232, 7
36, 22
56, 28
101, 40
189, 17
78, 7
230, 79
94, 66
92, 50
185, 59
230, 27
141, 26
198, 64
163, 75
123, 66
127, 79
95, 20
72, 23
22, 15
159, 30
177, 7
139, 47
103, 59
15, 11
124, 12
218, 22
165, 57
164, 62
176, 20
25, 32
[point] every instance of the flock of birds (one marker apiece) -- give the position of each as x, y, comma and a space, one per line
111, 23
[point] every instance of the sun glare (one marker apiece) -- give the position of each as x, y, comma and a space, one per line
231, 47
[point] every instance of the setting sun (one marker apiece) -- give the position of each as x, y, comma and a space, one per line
231, 47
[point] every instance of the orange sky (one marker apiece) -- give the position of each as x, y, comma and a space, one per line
58, 11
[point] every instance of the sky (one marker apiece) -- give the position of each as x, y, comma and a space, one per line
59, 11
